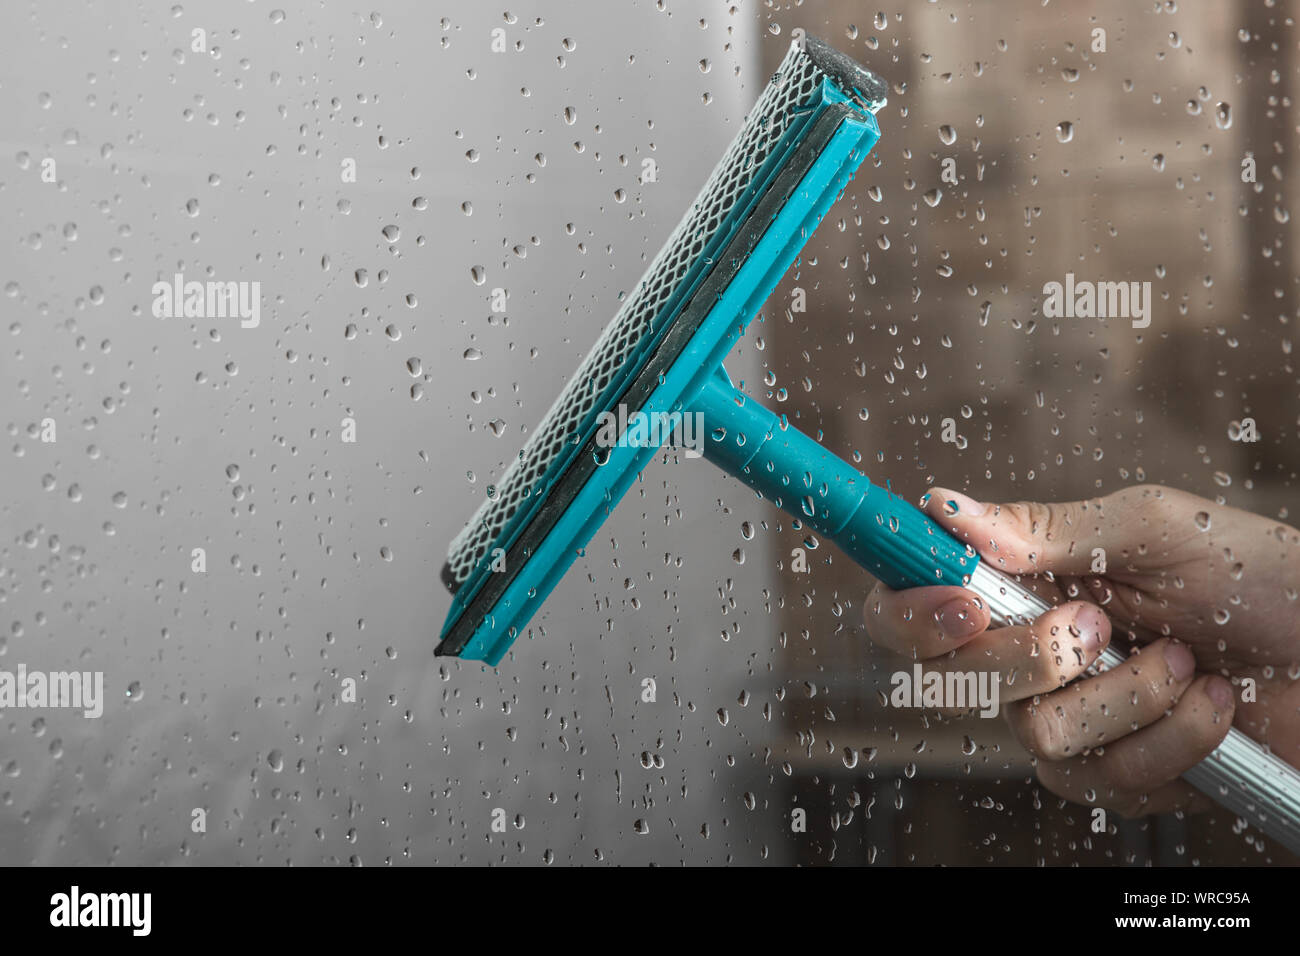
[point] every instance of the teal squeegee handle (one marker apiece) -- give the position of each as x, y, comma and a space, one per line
882, 532
903, 547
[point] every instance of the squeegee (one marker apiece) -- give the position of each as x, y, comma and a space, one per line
661, 357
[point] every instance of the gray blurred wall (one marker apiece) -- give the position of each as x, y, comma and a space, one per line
224, 687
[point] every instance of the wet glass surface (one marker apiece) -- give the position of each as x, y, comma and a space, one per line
409, 225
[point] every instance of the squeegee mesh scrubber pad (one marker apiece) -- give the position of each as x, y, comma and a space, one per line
791, 86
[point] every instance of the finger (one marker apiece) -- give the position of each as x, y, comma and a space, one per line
1029, 537
1123, 604
1103, 709
1271, 717
1037, 659
1136, 775
923, 622
1128, 607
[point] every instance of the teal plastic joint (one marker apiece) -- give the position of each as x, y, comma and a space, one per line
887, 535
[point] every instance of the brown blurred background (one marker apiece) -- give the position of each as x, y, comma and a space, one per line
1123, 165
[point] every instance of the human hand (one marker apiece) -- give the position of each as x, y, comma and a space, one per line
1211, 589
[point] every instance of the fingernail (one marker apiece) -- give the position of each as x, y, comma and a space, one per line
1220, 692
1092, 624
1181, 661
955, 618
955, 502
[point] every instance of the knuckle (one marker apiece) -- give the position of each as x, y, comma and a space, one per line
1007, 535
1056, 523
1042, 732
1027, 526
1034, 518
1036, 515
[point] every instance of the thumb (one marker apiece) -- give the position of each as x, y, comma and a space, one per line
1030, 537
